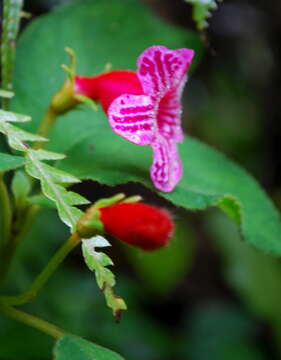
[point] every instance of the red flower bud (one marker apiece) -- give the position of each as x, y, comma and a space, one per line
144, 226
108, 86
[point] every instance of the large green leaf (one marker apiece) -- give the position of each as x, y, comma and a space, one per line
209, 179
117, 31
75, 348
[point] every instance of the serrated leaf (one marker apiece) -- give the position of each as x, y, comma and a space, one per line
54, 174
50, 179
41, 154
97, 261
6, 94
13, 117
75, 348
10, 162
201, 11
17, 137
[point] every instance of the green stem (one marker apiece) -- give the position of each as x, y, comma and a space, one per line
43, 277
6, 213
10, 26
33, 321
45, 125
11, 246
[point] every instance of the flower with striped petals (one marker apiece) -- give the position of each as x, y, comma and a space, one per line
144, 106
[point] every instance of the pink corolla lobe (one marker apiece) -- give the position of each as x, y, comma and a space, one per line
144, 106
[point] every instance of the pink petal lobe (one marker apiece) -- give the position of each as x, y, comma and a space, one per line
134, 118
169, 114
161, 69
166, 169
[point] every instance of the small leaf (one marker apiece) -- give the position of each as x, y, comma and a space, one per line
97, 261
10, 162
13, 117
46, 155
17, 137
6, 94
75, 348
42, 201
21, 187
50, 179
201, 11
87, 101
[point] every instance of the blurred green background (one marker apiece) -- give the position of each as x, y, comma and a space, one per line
209, 295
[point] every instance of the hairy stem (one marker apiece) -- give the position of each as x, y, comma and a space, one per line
15, 237
6, 214
45, 125
44, 276
33, 321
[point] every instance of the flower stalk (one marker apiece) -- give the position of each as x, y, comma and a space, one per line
6, 214
32, 321
44, 276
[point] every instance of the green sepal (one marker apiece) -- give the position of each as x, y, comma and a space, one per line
89, 224
110, 201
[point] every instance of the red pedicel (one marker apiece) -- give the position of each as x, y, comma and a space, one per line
144, 226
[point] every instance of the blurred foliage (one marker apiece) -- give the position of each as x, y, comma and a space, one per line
223, 331
161, 271
256, 277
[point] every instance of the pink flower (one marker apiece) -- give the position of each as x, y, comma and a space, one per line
144, 106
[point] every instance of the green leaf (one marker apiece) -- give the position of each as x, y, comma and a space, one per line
10, 162
21, 187
201, 11
75, 348
97, 261
13, 117
51, 179
6, 94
